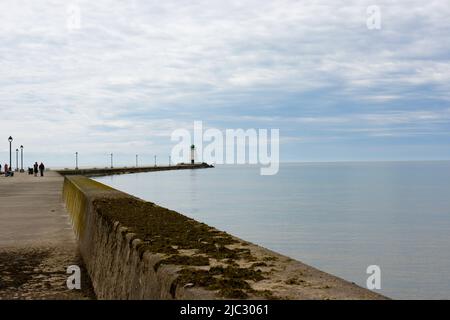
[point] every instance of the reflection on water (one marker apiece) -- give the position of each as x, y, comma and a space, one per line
339, 217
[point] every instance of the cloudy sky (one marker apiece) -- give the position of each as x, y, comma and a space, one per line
108, 76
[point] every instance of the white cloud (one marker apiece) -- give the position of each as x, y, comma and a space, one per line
170, 59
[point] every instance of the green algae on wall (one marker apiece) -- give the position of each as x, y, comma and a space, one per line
167, 232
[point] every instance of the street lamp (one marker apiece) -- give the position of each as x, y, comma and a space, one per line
136, 161
76, 160
112, 161
155, 161
21, 159
10, 139
17, 160
170, 161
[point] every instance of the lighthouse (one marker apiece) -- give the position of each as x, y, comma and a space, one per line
192, 154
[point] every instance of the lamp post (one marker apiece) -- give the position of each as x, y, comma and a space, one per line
10, 139
155, 160
136, 161
170, 161
112, 161
76, 160
21, 159
17, 160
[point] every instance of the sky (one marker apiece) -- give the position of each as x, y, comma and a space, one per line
101, 77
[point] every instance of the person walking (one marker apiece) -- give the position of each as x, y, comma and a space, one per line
35, 169
41, 169
6, 170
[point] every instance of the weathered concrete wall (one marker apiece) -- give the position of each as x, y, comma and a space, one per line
116, 268
134, 249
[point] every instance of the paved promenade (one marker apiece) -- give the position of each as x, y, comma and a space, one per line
37, 242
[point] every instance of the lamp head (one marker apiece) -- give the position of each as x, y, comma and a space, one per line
10, 139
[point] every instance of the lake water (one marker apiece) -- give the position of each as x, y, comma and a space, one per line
338, 217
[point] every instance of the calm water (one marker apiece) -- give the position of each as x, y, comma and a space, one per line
338, 217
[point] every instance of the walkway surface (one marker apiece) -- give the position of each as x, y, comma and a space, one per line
37, 242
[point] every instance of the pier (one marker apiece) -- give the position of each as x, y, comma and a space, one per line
50, 223
97, 172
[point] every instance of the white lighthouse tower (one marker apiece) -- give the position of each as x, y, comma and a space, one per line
192, 154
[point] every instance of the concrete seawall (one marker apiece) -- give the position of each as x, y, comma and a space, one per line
134, 249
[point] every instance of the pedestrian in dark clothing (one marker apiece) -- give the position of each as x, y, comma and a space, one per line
41, 169
8, 171
35, 169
